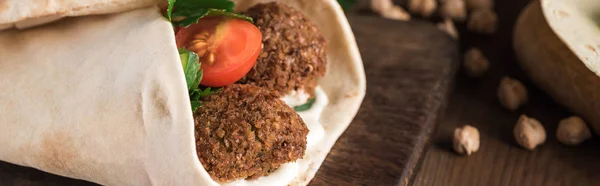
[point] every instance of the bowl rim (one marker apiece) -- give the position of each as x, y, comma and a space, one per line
577, 25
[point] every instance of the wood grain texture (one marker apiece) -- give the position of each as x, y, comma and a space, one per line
409, 66
500, 161
11, 174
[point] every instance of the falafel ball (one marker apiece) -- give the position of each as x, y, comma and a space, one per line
293, 56
245, 132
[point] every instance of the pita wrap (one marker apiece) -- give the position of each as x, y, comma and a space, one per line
103, 98
28, 13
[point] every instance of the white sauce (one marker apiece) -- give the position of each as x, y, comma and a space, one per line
288, 171
296, 98
312, 116
282, 176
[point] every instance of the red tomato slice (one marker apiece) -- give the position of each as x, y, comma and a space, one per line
227, 47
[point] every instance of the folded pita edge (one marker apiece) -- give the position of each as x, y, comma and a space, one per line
22, 14
120, 76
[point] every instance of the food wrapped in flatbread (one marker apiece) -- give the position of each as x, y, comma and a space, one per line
104, 97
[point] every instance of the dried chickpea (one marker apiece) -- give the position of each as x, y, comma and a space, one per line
475, 64
529, 132
512, 93
483, 21
466, 140
422, 7
448, 26
387, 9
455, 9
572, 131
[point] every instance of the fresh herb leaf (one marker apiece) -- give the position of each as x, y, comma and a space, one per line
170, 8
193, 76
346, 4
191, 68
195, 105
187, 12
183, 62
208, 91
185, 19
306, 106
217, 12
199, 75
198, 4
197, 94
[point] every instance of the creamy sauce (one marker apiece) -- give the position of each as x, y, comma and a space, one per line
282, 176
296, 98
312, 116
286, 173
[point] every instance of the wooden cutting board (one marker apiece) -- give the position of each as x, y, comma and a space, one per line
409, 68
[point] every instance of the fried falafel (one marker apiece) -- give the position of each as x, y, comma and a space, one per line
245, 132
294, 51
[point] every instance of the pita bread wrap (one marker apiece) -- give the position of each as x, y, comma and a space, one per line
103, 98
27, 13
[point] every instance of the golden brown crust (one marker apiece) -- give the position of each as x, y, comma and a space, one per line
245, 132
293, 56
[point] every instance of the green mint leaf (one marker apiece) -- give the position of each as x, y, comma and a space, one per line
346, 4
188, 17
191, 68
195, 105
183, 50
199, 75
306, 106
193, 76
183, 56
197, 4
188, 12
198, 93
195, 94
217, 12
209, 91
170, 8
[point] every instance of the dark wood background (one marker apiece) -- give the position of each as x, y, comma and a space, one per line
409, 68
500, 161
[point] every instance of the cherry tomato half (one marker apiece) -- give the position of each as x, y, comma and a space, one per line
227, 47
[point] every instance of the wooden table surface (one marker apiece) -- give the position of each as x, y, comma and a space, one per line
500, 161
409, 68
